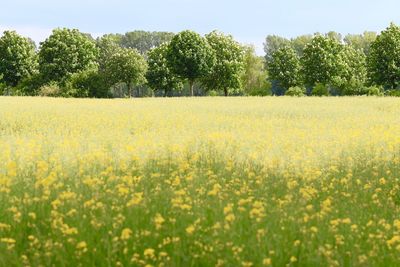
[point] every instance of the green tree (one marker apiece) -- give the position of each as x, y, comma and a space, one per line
284, 67
319, 62
300, 42
361, 41
352, 71
127, 66
334, 36
229, 64
159, 75
254, 77
65, 52
18, 59
383, 61
272, 44
143, 41
190, 57
107, 46
88, 83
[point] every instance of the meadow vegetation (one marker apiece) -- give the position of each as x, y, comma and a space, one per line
200, 182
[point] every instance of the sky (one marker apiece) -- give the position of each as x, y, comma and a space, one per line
249, 21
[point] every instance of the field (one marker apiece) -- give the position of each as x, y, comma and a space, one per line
200, 182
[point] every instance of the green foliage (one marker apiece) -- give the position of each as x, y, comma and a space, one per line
320, 89
144, 41
107, 46
383, 61
2, 85
229, 64
126, 66
296, 91
374, 91
394, 92
335, 36
190, 56
52, 89
64, 53
284, 67
272, 44
159, 75
88, 83
361, 42
320, 61
254, 77
212, 93
216, 64
300, 42
352, 73
30, 85
18, 58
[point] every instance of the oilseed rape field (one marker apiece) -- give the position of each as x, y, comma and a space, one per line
200, 182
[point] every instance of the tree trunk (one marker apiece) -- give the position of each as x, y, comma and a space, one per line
129, 89
226, 91
191, 83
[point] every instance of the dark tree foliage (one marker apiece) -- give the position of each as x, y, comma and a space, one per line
383, 61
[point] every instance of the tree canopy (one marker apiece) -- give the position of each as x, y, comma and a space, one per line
128, 66
65, 52
159, 75
228, 66
320, 60
284, 67
18, 59
383, 61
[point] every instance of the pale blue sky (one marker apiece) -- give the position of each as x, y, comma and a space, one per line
249, 21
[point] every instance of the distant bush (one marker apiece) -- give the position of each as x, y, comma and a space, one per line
3, 88
295, 91
320, 90
354, 87
261, 91
30, 85
89, 83
212, 93
393, 92
374, 90
51, 89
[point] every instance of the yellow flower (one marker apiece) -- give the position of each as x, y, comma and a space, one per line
346, 221
190, 229
81, 245
137, 199
126, 234
7, 240
158, 221
149, 253
267, 261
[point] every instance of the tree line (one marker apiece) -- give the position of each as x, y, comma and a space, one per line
73, 64
328, 64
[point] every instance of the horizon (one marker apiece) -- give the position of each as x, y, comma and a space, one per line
257, 18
